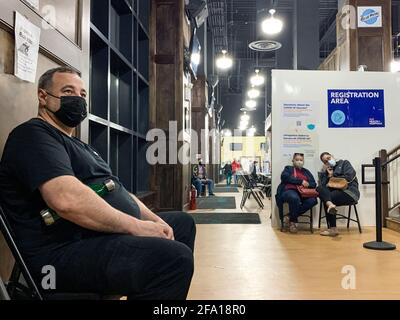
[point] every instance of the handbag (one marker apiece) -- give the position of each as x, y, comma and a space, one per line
338, 183
306, 192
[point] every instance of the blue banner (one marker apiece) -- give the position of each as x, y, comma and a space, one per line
356, 108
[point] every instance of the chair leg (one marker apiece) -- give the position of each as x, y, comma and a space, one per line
257, 198
348, 218
311, 221
320, 215
241, 201
358, 220
3, 292
246, 197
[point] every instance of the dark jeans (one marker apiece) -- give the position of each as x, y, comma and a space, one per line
199, 186
228, 179
142, 268
297, 205
337, 197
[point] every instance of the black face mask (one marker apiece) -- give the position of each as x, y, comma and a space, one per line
73, 110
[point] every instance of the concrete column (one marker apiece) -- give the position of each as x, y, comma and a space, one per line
285, 55
306, 35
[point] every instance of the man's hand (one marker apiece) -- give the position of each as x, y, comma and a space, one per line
330, 172
168, 229
305, 184
153, 229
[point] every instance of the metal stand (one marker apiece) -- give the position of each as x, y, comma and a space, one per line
378, 244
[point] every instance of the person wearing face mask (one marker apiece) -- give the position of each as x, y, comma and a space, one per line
288, 191
199, 177
111, 244
333, 197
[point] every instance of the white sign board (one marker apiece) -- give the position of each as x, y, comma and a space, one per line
33, 3
27, 40
300, 100
299, 134
369, 17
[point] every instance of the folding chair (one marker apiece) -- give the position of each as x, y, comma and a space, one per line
248, 190
21, 285
309, 216
340, 216
3, 291
14, 286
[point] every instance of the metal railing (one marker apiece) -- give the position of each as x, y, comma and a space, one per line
393, 176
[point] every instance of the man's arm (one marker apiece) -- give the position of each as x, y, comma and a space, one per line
147, 214
75, 202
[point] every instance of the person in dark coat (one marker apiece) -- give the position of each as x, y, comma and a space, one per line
291, 178
333, 198
228, 173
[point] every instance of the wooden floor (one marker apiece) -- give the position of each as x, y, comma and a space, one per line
260, 262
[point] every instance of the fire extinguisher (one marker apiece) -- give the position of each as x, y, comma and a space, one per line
193, 195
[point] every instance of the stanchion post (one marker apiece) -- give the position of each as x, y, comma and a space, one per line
378, 244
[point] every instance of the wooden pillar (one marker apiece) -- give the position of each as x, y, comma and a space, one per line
370, 46
169, 181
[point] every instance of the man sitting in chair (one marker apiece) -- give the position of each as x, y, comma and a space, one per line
199, 177
108, 243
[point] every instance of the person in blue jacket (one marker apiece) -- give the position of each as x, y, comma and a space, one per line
291, 177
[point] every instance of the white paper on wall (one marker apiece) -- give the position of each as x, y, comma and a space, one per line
299, 131
27, 40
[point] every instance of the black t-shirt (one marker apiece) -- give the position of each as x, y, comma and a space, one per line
37, 152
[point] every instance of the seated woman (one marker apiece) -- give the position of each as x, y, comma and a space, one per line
291, 178
332, 197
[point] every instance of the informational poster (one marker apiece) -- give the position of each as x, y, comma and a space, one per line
369, 17
356, 108
33, 3
27, 40
299, 130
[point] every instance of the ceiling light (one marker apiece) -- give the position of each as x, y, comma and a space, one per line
251, 132
251, 104
253, 93
395, 66
224, 62
271, 25
195, 58
228, 133
257, 80
245, 117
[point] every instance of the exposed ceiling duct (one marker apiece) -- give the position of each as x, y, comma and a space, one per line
218, 23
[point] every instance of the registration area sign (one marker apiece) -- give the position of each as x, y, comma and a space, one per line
356, 108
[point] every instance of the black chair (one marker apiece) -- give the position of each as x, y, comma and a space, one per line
3, 291
340, 216
21, 285
249, 190
309, 216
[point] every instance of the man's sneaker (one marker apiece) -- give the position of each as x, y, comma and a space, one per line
211, 195
333, 232
293, 228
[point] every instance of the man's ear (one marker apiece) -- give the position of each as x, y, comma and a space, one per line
42, 95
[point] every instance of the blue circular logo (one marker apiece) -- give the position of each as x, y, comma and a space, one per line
370, 16
338, 117
311, 126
